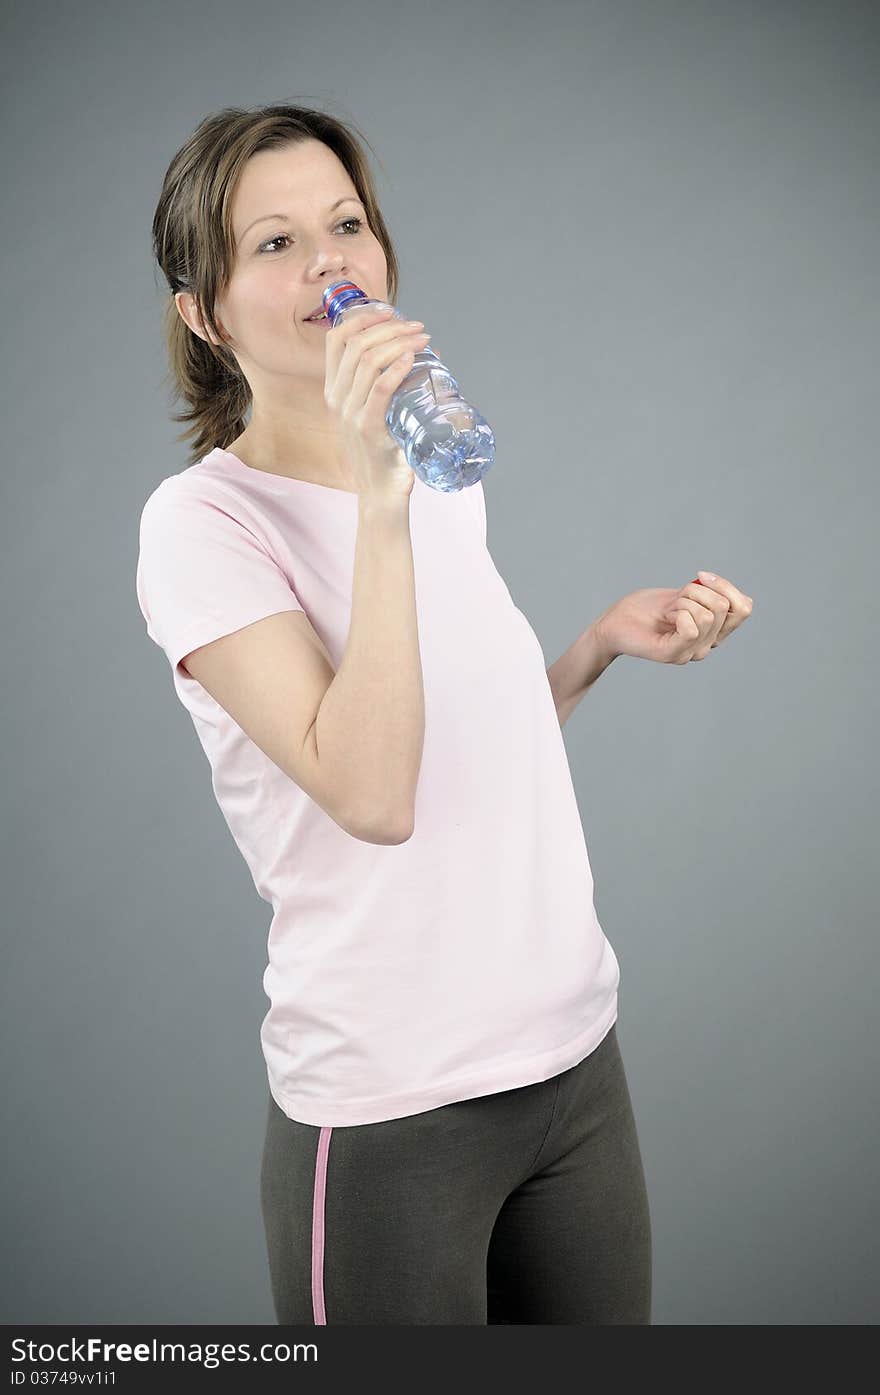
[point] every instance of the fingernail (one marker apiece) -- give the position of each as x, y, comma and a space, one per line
707, 576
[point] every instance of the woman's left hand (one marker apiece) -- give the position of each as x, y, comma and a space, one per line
673, 627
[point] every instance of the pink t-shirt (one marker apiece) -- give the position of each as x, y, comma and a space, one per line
468, 959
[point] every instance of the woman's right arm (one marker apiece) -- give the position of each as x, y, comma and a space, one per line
351, 739
369, 731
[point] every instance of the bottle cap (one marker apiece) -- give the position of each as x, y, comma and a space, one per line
342, 293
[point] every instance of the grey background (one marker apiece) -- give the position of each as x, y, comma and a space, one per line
701, 180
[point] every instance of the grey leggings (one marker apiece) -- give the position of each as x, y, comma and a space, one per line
525, 1206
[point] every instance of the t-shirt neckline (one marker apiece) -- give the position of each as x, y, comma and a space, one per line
283, 479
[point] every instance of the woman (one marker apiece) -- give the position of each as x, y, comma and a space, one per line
450, 1136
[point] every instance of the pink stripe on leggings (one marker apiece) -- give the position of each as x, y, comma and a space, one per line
318, 1226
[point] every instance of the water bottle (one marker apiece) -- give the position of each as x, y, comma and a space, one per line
446, 442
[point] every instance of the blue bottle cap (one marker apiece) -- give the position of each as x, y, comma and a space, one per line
339, 294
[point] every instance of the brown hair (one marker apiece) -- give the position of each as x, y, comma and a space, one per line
194, 246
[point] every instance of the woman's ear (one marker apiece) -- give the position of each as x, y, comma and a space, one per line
190, 313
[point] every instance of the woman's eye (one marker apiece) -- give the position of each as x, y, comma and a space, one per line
358, 221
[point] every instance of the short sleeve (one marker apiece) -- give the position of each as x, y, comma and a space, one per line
202, 572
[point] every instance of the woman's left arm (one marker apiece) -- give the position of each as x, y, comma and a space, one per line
577, 669
659, 623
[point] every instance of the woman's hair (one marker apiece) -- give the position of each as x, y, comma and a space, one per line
194, 246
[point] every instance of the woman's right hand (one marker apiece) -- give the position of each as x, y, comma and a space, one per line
358, 392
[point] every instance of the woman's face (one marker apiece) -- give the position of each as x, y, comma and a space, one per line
291, 242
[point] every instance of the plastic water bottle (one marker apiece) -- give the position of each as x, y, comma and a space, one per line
446, 442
